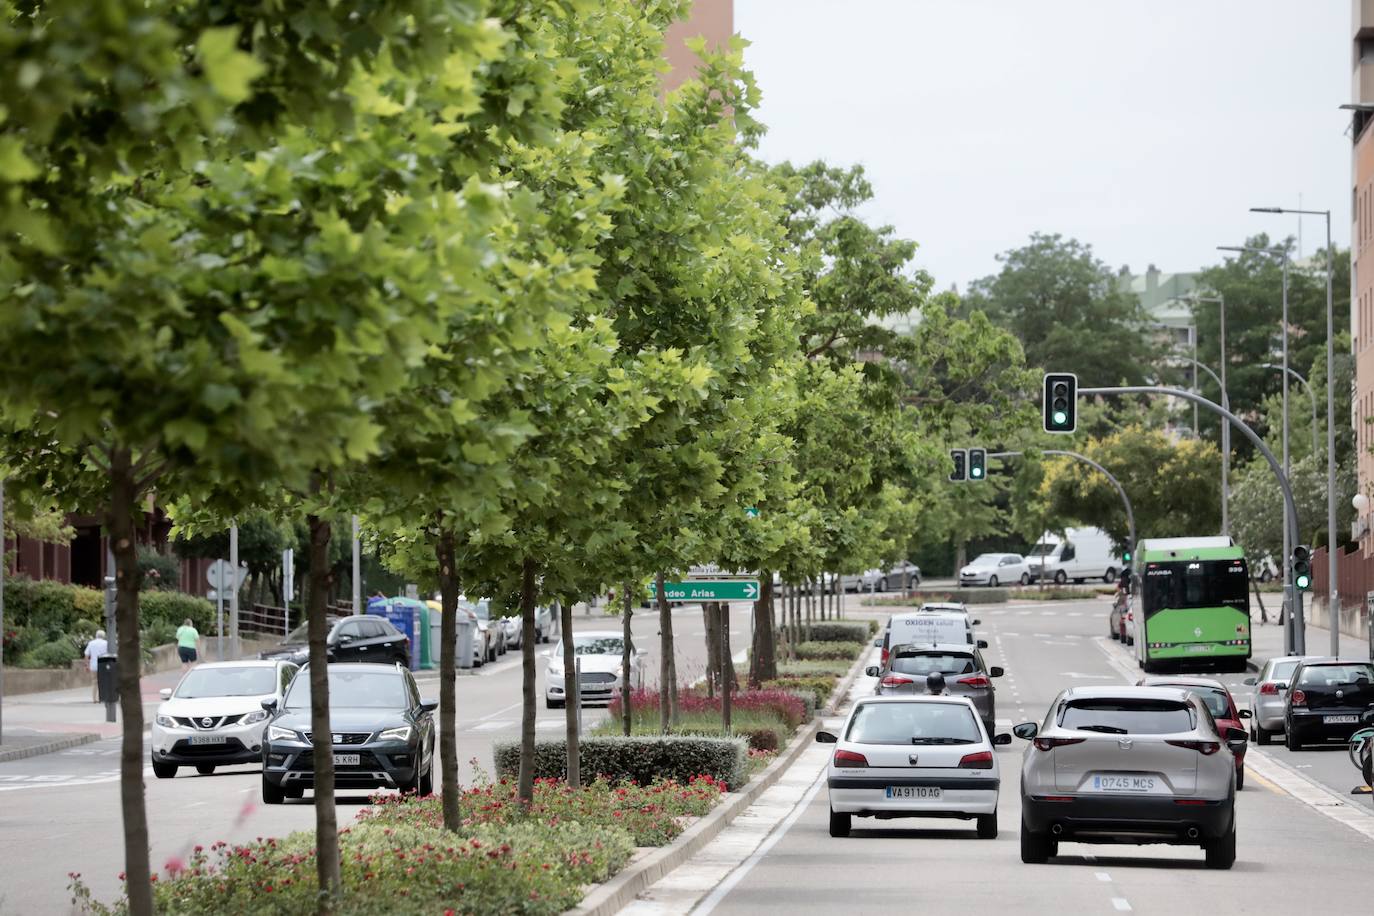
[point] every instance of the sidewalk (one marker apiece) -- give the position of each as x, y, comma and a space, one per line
38, 723
1266, 641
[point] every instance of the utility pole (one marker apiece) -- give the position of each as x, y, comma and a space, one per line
357, 570
234, 589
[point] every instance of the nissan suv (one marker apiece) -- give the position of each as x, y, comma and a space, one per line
381, 733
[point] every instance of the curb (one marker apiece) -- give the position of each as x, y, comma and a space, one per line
621, 890
47, 747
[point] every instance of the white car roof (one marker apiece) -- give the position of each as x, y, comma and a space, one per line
244, 663
950, 606
961, 648
917, 698
599, 634
1126, 693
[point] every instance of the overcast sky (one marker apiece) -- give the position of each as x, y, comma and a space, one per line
1145, 128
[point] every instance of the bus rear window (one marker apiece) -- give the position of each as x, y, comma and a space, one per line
1196, 584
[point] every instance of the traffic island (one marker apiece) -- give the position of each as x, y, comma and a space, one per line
21, 747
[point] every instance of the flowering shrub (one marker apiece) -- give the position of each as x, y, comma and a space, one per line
847, 651
819, 687
394, 867
640, 759
650, 814
785, 704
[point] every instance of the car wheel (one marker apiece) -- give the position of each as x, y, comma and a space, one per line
1240, 777
987, 826
882, 584
1109, 576
205, 769
271, 795
553, 704
839, 823
1060, 578
164, 770
1130, 640
992, 581
1036, 848
1290, 740
1221, 853
426, 786
1025, 579
1113, 634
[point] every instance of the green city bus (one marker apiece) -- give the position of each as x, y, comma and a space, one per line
1193, 604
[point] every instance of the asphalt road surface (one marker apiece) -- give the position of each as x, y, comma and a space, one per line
1304, 844
59, 813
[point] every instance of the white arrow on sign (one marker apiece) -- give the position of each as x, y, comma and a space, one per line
751, 590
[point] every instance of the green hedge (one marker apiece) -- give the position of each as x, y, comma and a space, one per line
174, 607
56, 609
840, 631
846, 651
816, 689
638, 759
966, 596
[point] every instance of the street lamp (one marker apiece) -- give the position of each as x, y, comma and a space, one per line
1220, 300
1225, 439
1310, 396
1333, 594
1291, 638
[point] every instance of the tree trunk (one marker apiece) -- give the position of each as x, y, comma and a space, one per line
1264, 612
667, 670
727, 665
572, 695
763, 660
121, 525
322, 745
626, 691
448, 677
961, 558
525, 786
709, 612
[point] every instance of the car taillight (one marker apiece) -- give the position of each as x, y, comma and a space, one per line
1205, 748
850, 759
1049, 744
896, 680
1299, 698
977, 681
884, 656
979, 761
1269, 689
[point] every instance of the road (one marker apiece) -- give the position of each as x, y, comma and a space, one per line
1304, 844
60, 812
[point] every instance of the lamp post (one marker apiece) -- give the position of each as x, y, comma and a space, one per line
1220, 300
1333, 598
1310, 396
1225, 438
1288, 534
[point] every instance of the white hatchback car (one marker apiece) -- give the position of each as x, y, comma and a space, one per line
214, 716
914, 756
600, 655
1129, 765
994, 569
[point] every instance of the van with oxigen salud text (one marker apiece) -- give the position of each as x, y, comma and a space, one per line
1081, 554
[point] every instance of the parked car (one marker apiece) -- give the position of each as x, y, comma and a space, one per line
965, 672
903, 575
1326, 700
495, 631
359, 638
1268, 703
1219, 703
1083, 553
214, 715
920, 756
1128, 765
601, 655
994, 569
382, 734
1121, 619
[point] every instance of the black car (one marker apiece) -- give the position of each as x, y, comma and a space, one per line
1326, 699
382, 734
360, 638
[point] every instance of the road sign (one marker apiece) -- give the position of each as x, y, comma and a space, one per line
712, 590
752, 512
217, 576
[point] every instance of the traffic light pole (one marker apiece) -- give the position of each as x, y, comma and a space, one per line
1120, 490
1297, 641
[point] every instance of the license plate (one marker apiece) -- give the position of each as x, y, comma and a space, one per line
347, 760
1124, 782
208, 739
1197, 648
926, 792
1340, 720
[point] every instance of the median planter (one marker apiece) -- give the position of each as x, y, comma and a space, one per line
639, 759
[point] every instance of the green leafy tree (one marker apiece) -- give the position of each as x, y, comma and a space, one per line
1257, 505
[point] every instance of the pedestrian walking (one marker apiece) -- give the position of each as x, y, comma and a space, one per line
188, 638
94, 649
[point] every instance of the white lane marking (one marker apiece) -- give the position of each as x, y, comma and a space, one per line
736, 876
1103, 877
1122, 904
1049, 613
500, 712
490, 726
1074, 614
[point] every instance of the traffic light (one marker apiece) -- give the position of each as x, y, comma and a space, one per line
1060, 402
1302, 567
960, 459
977, 464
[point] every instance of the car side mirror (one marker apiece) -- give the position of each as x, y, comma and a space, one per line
344, 637
1281, 685
165, 693
1236, 739
873, 671
1026, 730
826, 738
1001, 739
1243, 713
995, 671
977, 622
878, 643
1367, 717
982, 643
1249, 682
429, 705
269, 704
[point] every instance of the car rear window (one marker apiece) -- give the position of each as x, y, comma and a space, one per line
930, 662
1218, 703
1123, 716
913, 723
1335, 675
1282, 671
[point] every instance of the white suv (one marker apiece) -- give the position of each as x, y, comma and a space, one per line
1129, 765
214, 716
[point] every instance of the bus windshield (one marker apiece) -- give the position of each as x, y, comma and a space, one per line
1196, 584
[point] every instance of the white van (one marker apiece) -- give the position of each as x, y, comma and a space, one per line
928, 628
1082, 553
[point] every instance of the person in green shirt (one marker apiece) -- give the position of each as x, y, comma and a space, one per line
187, 640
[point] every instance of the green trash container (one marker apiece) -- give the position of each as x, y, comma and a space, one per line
426, 643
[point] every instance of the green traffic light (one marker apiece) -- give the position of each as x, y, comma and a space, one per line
1303, 581
977, 472
1060, 417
